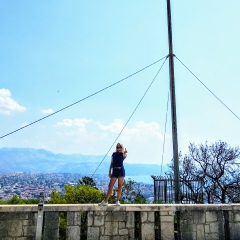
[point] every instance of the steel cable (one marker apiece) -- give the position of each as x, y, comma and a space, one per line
91, 95
130, 116
208, 89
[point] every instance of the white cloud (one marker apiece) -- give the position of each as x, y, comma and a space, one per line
7, 104
47, 111
143, 140
79, 122
116, 126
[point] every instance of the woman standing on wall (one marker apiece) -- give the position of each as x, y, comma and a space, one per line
116, 171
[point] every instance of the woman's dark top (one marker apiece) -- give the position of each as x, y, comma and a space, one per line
117, 159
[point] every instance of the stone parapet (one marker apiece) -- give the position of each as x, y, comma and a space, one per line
128, 221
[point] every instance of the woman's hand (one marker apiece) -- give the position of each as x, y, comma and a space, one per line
125, 153
110, 174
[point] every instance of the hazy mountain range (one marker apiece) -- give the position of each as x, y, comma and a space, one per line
42, 161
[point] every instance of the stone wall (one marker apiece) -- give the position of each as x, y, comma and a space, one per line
153, 221
18, 222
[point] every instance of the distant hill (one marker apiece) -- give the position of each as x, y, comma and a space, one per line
42, 161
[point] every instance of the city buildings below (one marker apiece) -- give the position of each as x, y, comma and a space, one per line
30, 185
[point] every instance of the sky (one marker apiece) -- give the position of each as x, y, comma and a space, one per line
54, 53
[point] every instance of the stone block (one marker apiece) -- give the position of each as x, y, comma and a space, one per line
70, 218
211, 236
130, 218
234, 231
26, 222
4, 226
29, 231
32, 219
51, 226
52, 220
122, 225
102, 232
200, 231
131, 233
51, 234
211, 216
123, 232
164, 213
151, 217
90, 218
148, 231
167, 230
77, 218
93, 233
108, 228
186, 215
3, 216
115, 228
119, 216
231, 216
109, 216
166, 219
98, 220
143, 217
189, 236
236, 216
104, 238
111, 228
194, 227
73, 232
25, 238
170, 213
120, 238
185, 226
199, 217
100, 213
19, 216
207, 228
214, 227
15, 228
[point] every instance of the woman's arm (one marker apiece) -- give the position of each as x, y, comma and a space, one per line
110, 168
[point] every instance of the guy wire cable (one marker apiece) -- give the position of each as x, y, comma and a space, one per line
131, 115
166, 118
91, 95
208, 89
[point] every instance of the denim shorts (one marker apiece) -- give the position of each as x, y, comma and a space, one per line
118, 172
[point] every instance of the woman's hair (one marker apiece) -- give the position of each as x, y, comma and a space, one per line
120, 145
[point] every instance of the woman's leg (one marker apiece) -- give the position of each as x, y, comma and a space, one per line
110, 187
120, 183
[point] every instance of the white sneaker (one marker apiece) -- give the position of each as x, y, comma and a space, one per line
118, 203
103, 203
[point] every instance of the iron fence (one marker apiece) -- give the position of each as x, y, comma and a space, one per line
191, 191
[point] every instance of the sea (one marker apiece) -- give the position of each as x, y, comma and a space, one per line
143, 178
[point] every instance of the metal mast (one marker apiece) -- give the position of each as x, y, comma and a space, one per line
173, 106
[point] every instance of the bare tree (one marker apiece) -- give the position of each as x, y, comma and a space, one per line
216, 168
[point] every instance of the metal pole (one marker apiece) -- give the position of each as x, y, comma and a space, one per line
173, 106
40, 217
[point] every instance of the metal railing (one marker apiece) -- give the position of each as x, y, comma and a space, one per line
191, 191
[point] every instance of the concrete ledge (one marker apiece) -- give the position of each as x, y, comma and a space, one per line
123, 207
18, 208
